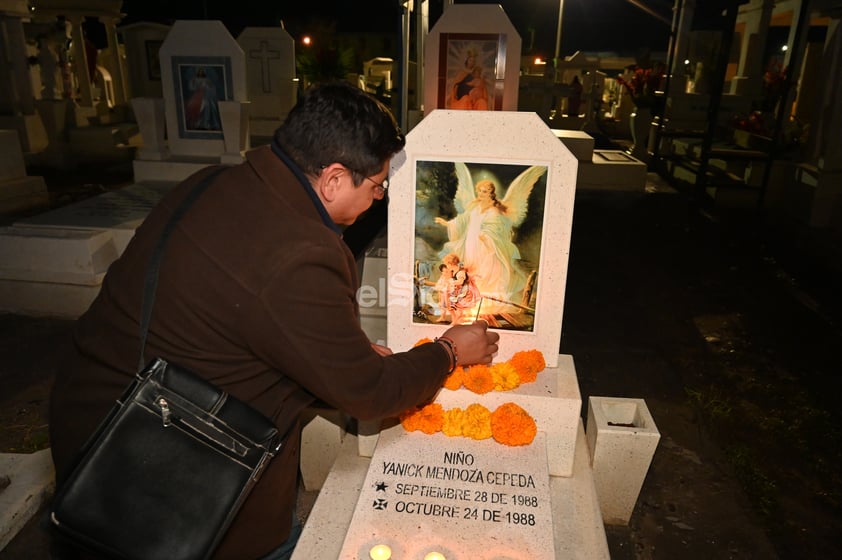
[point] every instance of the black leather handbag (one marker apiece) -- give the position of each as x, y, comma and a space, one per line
169, 467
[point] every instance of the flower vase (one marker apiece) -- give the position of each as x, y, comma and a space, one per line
640, 122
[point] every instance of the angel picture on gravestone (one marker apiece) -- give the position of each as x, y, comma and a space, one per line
478, 242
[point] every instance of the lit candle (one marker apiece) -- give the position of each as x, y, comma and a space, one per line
380, 552
434, 556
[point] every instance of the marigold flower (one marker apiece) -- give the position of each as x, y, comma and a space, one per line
477, 378
428, 419
512, 425
505, 376
528, 363
422, 341
477, 422
454, 380
453, 420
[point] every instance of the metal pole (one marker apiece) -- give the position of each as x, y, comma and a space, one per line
405, 36
558, 33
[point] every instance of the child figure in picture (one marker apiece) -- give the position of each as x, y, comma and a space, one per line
442, 289
462, 293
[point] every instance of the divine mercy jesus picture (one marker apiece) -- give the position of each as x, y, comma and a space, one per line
478, 230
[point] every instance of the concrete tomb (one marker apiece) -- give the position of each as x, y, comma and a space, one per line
410, 494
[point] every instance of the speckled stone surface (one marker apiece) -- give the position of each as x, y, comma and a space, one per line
622, 437
578, 530
476, 137
460, 497
553, 400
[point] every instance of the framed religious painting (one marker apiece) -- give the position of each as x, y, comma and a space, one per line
200, 83
472, 71
479, 229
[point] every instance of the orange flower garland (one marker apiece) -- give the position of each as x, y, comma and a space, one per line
509, 424
453, 420
528, 363
478, 379
428, 419
454, 380
523, 367
477, 422
505, 376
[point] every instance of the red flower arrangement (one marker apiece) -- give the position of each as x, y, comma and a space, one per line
642, 85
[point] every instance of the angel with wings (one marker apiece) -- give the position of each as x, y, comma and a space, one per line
482, 231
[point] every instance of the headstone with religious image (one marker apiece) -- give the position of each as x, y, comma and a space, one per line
201, 65
496, 467
270, 77
472, 59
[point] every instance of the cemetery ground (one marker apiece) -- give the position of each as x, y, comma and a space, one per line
728, 328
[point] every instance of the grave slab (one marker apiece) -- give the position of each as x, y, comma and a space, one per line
463, 498
53, 264
612, 170
579, 533
120, 211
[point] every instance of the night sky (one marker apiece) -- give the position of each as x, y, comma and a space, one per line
588, 25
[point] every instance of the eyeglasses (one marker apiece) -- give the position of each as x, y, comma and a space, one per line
382, 188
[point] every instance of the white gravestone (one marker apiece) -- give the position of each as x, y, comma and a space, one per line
474, 39
499, 146
459, 497
201, 65
270, 76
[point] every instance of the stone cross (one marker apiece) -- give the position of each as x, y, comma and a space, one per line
265, 55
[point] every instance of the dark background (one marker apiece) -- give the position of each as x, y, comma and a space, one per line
588, 25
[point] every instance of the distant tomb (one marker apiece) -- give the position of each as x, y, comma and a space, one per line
202, 67
270, 75
472, 59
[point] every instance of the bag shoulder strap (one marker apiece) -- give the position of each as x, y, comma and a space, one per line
150, 283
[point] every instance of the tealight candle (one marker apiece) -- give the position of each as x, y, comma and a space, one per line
380, 552
434, 556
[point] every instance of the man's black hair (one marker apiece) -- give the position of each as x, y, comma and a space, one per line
339, 123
